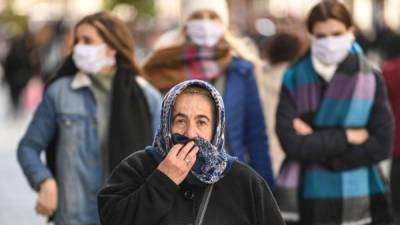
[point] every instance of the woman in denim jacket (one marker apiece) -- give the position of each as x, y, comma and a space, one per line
96, 111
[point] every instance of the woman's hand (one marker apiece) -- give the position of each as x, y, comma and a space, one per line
357, 136
179, 161
301, 127
47, 200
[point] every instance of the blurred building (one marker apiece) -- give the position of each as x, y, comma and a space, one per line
258, 19
364, 11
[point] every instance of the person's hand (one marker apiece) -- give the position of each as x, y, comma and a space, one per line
179, 161
47, 200
301, 127
357, 136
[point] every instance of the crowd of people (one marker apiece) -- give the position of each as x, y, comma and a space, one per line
209, 131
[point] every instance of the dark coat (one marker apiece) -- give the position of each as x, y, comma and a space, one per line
329, 147
139, 194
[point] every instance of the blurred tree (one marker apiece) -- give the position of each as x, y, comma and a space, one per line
144, 8
16, 23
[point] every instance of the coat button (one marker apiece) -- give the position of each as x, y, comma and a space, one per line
189, 195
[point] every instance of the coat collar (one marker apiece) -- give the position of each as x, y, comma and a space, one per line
80, 80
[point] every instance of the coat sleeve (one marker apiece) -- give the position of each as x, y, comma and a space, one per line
256, 139
266, 209
317, 147
154, 101
40, 132
132, 198
380, 128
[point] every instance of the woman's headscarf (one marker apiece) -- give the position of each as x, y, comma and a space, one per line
212, 160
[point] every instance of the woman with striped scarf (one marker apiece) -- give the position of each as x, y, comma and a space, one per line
203, 48
334, 125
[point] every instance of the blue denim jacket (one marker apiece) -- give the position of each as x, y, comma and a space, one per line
70, 107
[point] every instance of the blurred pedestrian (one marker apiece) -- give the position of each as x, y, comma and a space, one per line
280, 50
391, 73
97, 111
55, 49
203, 48
20, 65
33, 59
186, 176
335, 125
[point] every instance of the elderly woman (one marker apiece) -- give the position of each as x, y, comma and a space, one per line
187, 167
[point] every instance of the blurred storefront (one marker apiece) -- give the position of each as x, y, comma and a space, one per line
258, 19
364, 11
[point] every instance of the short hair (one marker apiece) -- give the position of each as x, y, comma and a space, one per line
329, 9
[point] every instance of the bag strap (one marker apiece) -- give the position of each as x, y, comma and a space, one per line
203, 205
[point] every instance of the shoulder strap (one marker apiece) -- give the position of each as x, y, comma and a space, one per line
203, 205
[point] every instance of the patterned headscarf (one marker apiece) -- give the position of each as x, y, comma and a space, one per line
212, 160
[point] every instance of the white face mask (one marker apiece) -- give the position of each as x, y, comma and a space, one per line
204, 32
331, 50
91, 59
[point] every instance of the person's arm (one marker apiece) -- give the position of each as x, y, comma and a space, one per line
316, 147
154, 100
266, 209
256, 140
132, 197
380, 129
40, 132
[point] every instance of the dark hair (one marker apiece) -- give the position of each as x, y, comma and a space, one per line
282, 47
329, 9
116, 34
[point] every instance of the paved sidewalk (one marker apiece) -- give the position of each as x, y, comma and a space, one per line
17, 199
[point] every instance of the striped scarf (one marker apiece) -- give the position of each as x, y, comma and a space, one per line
170, 66
331, 197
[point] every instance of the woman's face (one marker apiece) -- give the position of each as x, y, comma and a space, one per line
87, 34
330, 27
193, 116
204, 28
206, 15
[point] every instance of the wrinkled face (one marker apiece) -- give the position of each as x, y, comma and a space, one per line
329, 28
193, 116
86, 34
